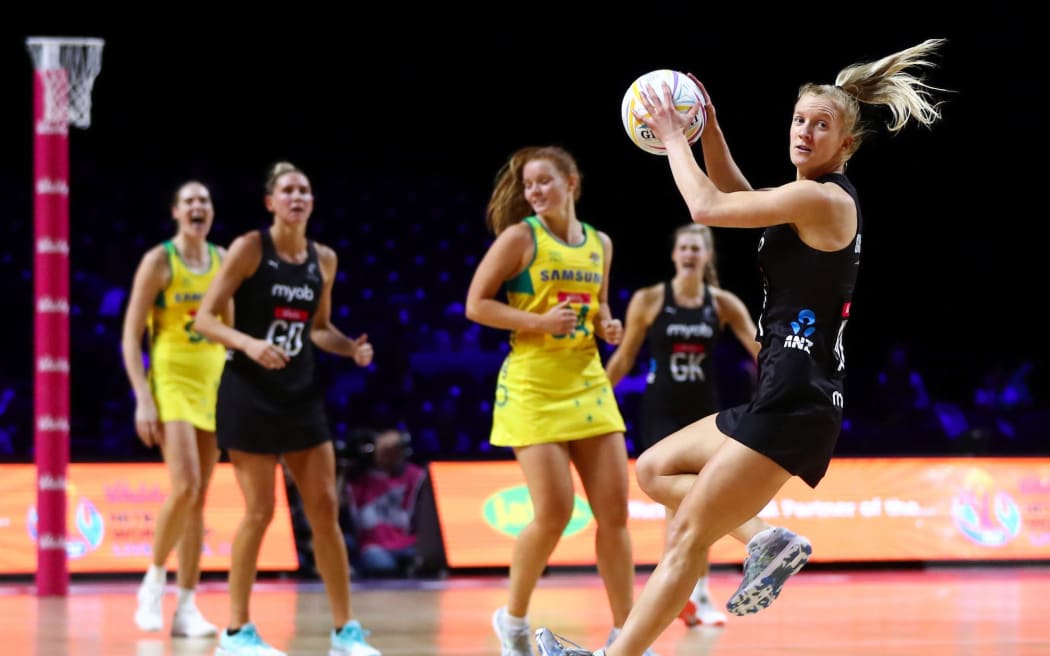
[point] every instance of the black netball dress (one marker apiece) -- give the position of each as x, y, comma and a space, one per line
680, 385
796, 415
274, 410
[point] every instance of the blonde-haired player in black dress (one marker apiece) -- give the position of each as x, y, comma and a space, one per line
271, 406
720, 472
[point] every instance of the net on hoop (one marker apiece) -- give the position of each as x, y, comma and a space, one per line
67, 67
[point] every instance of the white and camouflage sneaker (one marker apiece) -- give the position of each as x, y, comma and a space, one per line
773, 556
615, 633
149, 614
350, 641
246, 642
189, 623
512, 641
551, 645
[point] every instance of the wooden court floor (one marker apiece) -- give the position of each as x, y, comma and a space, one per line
956, 611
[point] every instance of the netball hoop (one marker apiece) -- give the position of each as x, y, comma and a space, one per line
66, 69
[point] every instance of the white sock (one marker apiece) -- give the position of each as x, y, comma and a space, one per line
700, 589
156, 574
186, 597
511, 622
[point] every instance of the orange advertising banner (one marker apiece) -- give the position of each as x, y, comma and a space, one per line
112, 510
865, 509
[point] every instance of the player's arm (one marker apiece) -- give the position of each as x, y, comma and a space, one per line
603, 318
735, 315
623, 358
227, 313
323, 333
151, 277
508, 256
719, 163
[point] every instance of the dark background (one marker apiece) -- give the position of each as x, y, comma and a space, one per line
402, 122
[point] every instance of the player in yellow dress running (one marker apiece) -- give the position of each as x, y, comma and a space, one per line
175, 401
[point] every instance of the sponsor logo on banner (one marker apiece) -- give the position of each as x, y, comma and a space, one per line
89, 525
510, 510
106, 517
50, 424
963, 509
49, 364
52, 305
50, 186
985, 513
47, 245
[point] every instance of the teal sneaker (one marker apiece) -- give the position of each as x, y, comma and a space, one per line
773, 556
245, 642
350, 641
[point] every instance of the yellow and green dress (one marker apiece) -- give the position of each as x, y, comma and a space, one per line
554, 388
184, 368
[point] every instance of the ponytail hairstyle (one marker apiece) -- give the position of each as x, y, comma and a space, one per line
884, 82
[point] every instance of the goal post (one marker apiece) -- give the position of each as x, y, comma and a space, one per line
65, 71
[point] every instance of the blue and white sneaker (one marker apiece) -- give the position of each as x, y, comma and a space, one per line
773, 556
350, 641
551, 645
245, 642
615, 633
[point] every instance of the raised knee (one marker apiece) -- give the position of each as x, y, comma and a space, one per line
646, 471
684, 533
